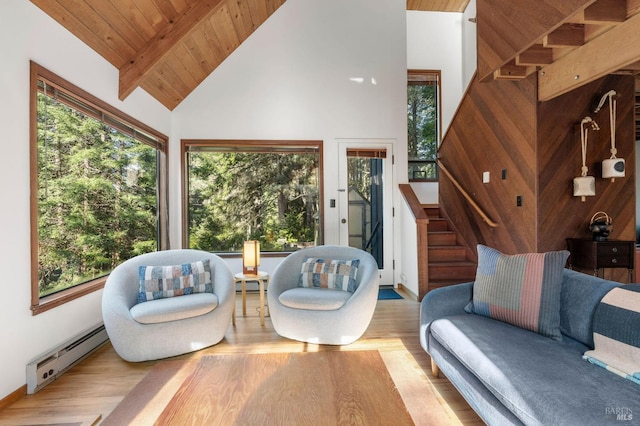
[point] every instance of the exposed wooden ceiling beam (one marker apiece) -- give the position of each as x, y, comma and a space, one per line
139, 66
592, 61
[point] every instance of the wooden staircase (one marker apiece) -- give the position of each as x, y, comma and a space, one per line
449, 261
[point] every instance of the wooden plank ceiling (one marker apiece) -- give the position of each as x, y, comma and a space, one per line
597, 38
168, 47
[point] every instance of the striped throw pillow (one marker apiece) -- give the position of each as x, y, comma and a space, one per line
616, 333
522, 289
158, 282
329, 273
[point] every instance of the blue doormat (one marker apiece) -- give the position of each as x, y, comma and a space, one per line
388, 294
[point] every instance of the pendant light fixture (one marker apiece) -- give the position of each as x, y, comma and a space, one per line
612, 167
584, 185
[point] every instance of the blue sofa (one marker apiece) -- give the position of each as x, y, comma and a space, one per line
510, 375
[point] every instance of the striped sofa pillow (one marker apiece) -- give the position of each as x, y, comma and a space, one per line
521, 289
616, 333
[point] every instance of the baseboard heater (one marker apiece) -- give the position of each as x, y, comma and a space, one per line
52, 364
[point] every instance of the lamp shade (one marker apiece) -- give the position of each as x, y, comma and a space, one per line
250, 257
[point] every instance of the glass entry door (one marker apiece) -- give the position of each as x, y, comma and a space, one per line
366, 205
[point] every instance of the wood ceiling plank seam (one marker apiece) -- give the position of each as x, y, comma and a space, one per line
258, 10
151, 13
199, 56
119, 24
180, 5
225, 31
591, 61
78, 28
182, 70
98, 26
242, 27
175, 79
185, 57
166, 9
245, 12
130, 11
132, 72
209, 57
214, 44
273, 5
155, 85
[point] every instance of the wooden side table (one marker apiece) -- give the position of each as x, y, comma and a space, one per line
598, 255
262, 278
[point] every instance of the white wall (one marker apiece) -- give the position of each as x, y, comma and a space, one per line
446, 42
28, 34
292, 80
469, 44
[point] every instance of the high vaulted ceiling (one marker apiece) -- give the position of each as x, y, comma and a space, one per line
168, 47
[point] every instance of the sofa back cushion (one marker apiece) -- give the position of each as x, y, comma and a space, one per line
579, 297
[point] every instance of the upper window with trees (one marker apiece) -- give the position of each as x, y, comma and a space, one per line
251, 190
423, 124
97, 184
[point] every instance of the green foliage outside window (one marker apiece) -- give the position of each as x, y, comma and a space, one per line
97, 196
422, 126
270, 196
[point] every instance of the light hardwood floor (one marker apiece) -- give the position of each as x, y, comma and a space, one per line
88, 392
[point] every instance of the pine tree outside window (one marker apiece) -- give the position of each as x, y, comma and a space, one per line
251, 190
98, 181
423, 124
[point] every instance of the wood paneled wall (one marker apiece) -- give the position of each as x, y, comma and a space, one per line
493, 130
501, 126
560, 215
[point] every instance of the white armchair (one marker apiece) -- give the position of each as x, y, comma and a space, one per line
169, 326
322, 315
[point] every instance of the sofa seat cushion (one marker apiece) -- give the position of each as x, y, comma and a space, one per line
175, 308
315, 299
541, 380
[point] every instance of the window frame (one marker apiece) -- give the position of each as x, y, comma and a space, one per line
186, 144
121, 122
415, 77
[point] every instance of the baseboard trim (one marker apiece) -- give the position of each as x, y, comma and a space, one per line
14, 396
407, 292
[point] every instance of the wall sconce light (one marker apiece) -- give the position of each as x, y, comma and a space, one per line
612, 167
584, 185
250, 257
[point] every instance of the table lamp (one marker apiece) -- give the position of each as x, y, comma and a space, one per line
250, 257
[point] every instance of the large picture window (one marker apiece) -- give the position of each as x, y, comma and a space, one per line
423, 124
97, 190
252, 190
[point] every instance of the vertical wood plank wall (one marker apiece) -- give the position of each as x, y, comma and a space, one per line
560, 215
500, 125
494, 129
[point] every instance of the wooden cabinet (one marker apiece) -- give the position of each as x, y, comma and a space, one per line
598, 255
